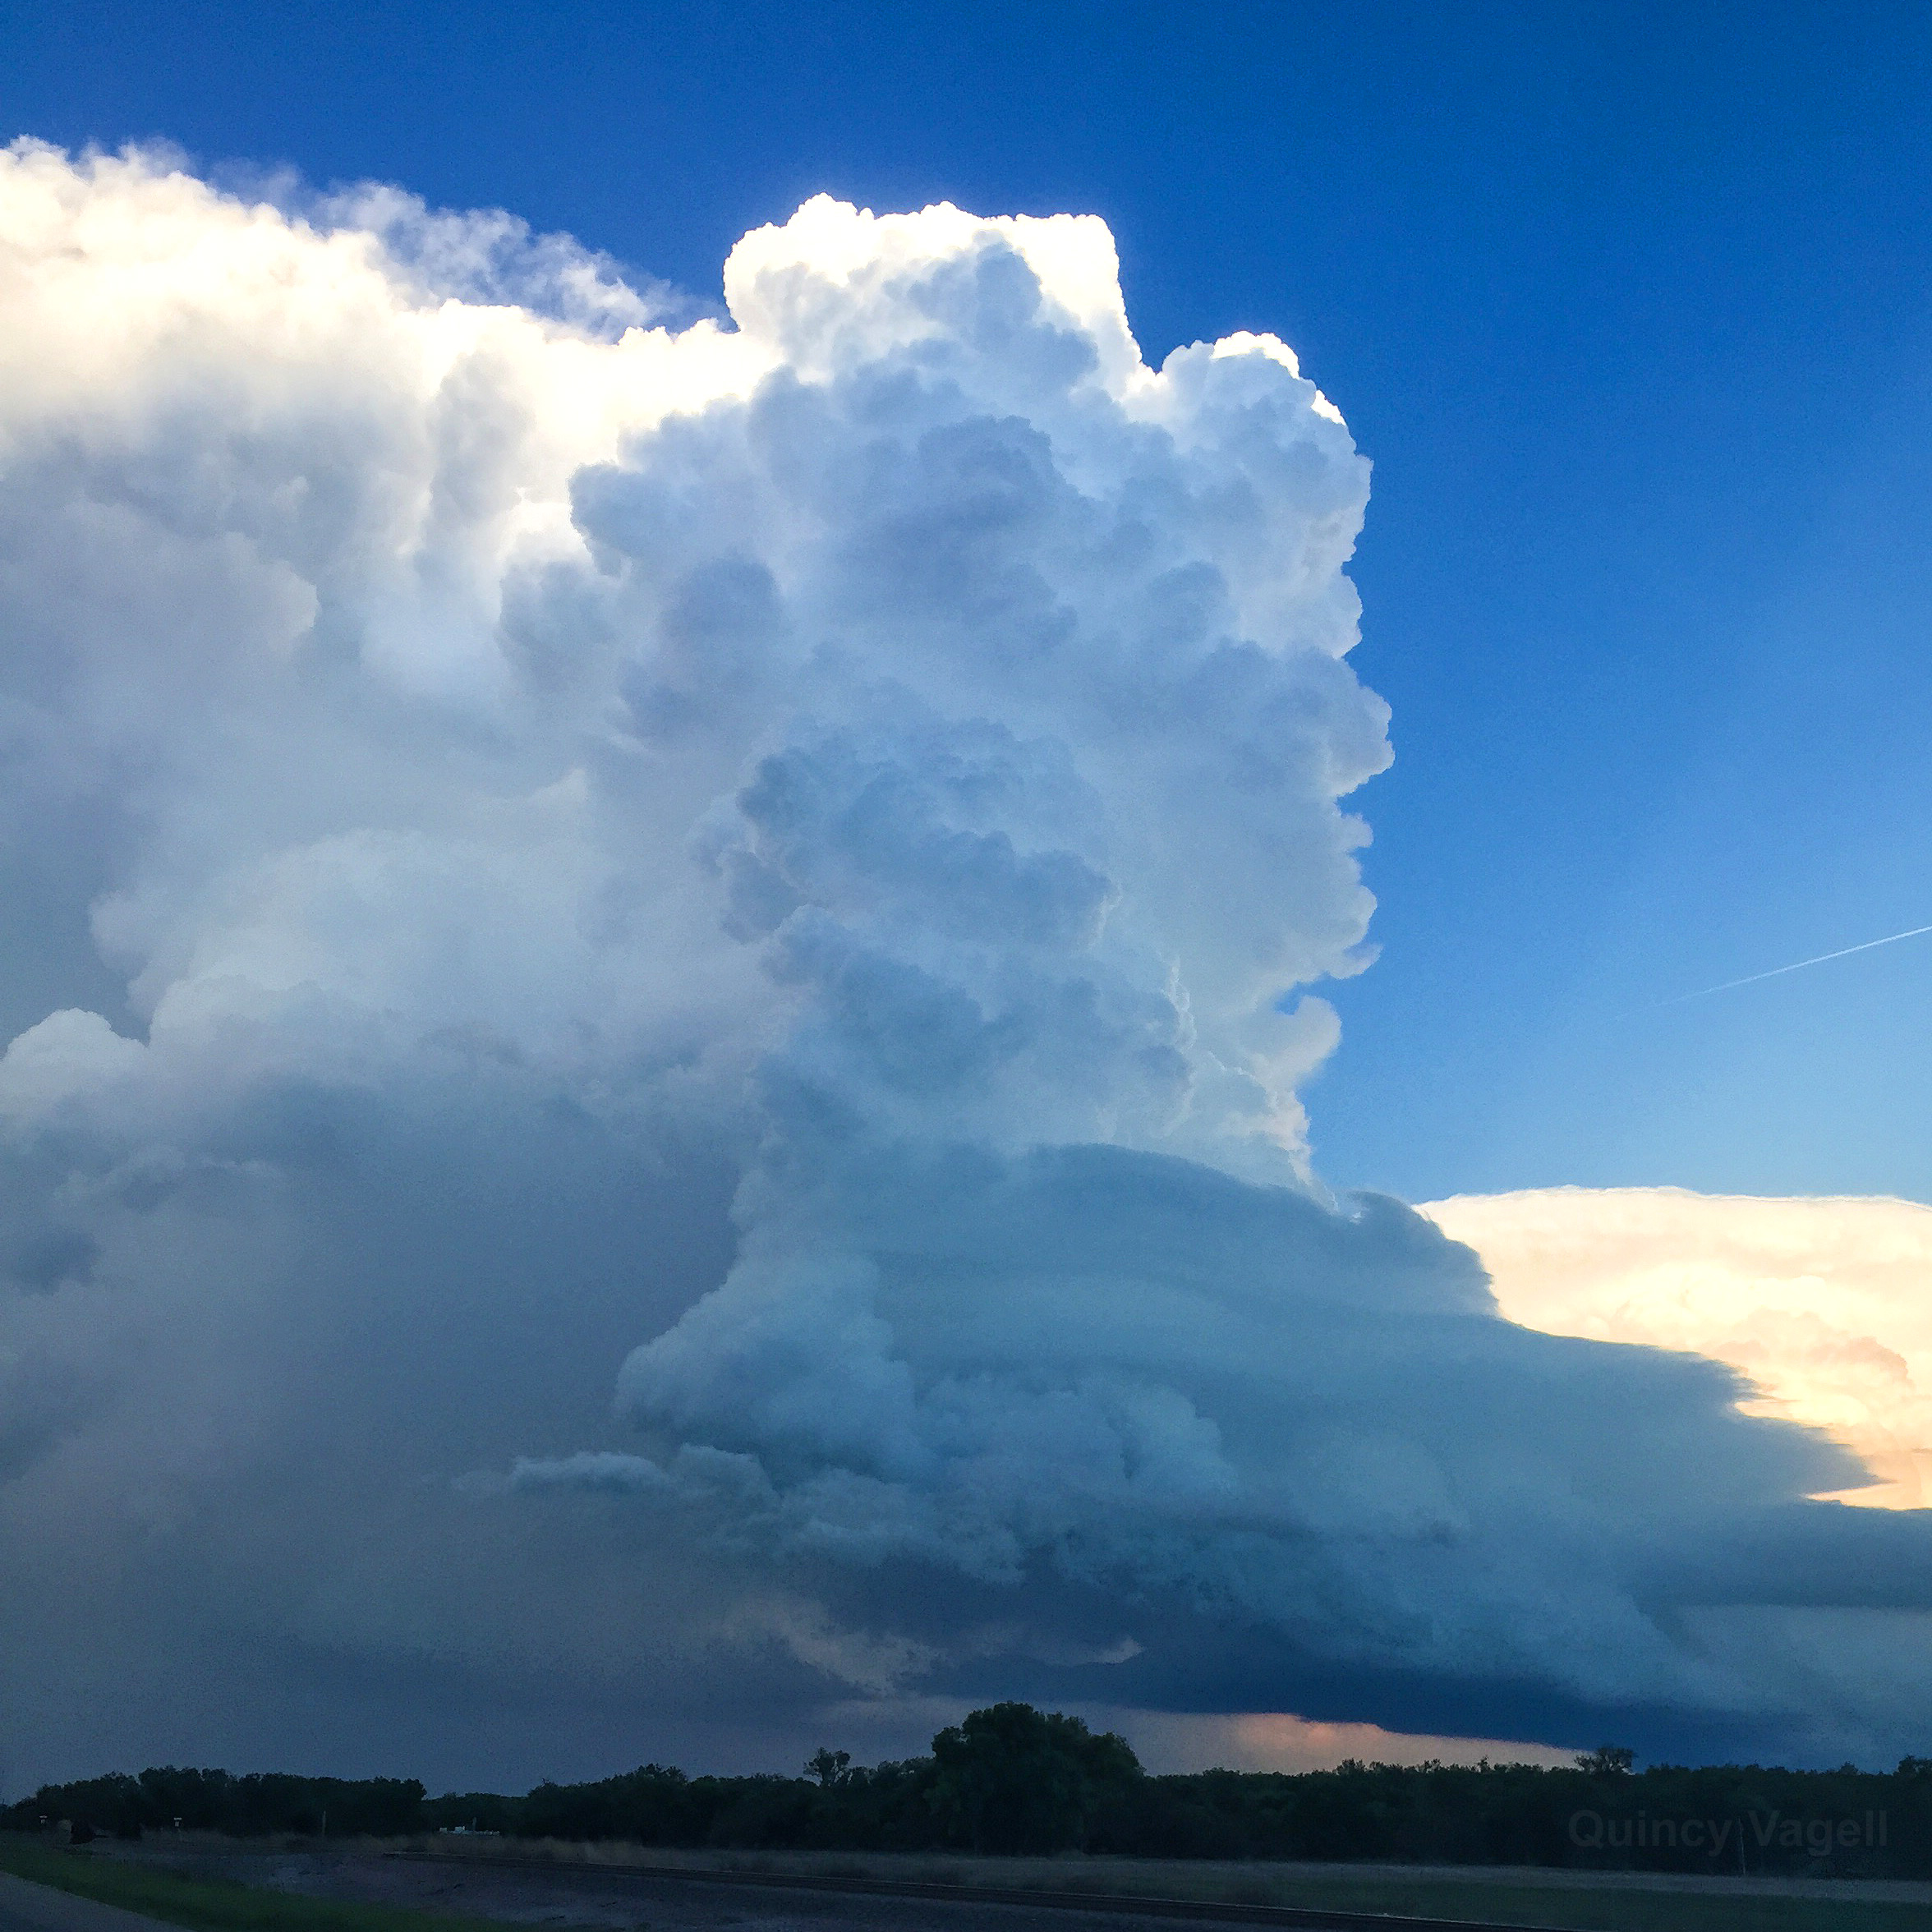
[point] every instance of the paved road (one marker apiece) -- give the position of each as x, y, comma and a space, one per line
25, 1907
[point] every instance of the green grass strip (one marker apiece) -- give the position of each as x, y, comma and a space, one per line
213, 1905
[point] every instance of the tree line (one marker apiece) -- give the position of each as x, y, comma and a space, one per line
253, 1806
1010, 1778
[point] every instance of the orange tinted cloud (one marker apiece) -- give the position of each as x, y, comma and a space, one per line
1825, 1304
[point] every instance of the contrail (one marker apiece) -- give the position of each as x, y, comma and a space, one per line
1798, 965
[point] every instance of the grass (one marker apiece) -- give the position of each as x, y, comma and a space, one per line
1600, 1910
1583, 1909
212, 1905
1580, 1906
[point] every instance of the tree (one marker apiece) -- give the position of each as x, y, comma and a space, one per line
1012, 1778
828, 1766
1607, 1760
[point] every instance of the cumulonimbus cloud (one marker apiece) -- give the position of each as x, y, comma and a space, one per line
800, 844
1821, 1302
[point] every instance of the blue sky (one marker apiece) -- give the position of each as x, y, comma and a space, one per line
1627, 305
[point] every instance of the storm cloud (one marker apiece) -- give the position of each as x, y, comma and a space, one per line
775, 869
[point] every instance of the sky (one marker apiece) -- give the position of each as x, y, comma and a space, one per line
1626, 305
730, 978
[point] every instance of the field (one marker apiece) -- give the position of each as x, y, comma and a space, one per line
1600, 1901
449, 1884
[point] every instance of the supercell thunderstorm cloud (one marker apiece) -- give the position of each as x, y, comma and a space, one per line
772, 868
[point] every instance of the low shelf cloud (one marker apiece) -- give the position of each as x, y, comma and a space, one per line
659, 978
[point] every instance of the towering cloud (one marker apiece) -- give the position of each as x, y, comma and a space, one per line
781, 861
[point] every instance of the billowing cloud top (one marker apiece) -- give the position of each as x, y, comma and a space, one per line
800, 842
870, 564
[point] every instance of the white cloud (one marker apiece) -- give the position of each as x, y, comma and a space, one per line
1822, 1302
69, 1053
804, 842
